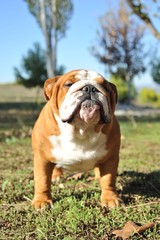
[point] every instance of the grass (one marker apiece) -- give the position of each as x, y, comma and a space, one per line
77, 214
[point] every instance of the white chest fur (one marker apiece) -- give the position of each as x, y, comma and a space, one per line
77, 149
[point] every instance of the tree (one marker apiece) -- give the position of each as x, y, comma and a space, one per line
33, 68
120, 45
33, 71
155, 71
140, 9
52, 17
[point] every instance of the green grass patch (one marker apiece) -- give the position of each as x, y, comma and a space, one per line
77, 213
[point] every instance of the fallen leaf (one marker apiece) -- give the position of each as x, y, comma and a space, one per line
130, 228
145, 227
76, 176
90, 178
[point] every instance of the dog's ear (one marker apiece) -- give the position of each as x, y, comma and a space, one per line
48, 86
115, 92
113, 95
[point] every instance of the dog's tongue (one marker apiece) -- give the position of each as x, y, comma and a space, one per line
89, 110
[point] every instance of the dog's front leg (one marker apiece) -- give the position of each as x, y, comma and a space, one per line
107, 177
42, 177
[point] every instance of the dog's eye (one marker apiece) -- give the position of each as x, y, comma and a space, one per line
68, 84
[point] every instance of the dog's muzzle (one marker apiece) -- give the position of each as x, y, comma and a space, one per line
88, 100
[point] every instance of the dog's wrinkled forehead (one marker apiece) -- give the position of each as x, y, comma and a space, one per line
81, 78
86, 75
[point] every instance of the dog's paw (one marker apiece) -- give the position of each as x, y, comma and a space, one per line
42, 203
110, 199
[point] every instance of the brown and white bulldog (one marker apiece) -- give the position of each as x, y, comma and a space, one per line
77, 131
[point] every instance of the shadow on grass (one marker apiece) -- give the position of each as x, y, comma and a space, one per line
137, 186
20, 105
141, 184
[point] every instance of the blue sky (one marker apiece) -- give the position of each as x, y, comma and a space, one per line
19, 31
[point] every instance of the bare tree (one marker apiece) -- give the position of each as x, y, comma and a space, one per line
140, 9
53, 17
120, 45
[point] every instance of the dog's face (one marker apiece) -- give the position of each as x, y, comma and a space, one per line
83, 96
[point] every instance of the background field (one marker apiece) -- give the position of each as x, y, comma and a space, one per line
77, 213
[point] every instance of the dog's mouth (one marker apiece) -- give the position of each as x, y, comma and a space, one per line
89, 111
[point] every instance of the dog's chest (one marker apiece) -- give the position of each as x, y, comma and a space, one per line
78, 153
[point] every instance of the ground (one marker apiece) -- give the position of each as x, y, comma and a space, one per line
77, 213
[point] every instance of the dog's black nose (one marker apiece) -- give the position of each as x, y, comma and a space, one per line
89, 89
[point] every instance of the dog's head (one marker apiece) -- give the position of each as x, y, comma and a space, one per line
81, 95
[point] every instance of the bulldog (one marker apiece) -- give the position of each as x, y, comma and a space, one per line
77, 131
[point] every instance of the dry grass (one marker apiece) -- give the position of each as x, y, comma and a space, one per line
18, 93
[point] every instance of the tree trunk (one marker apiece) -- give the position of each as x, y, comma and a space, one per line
128, 80
49, 60
47, 36
54, 36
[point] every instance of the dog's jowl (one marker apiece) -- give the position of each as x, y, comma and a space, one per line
77, 131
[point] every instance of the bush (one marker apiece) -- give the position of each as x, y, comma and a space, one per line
122, 88
148, 95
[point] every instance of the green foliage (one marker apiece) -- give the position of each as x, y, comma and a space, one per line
60, 70
64, 9
150, 97
64, 13
123, 89
33, 68
155, 71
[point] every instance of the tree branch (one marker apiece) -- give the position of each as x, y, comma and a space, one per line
137, 9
